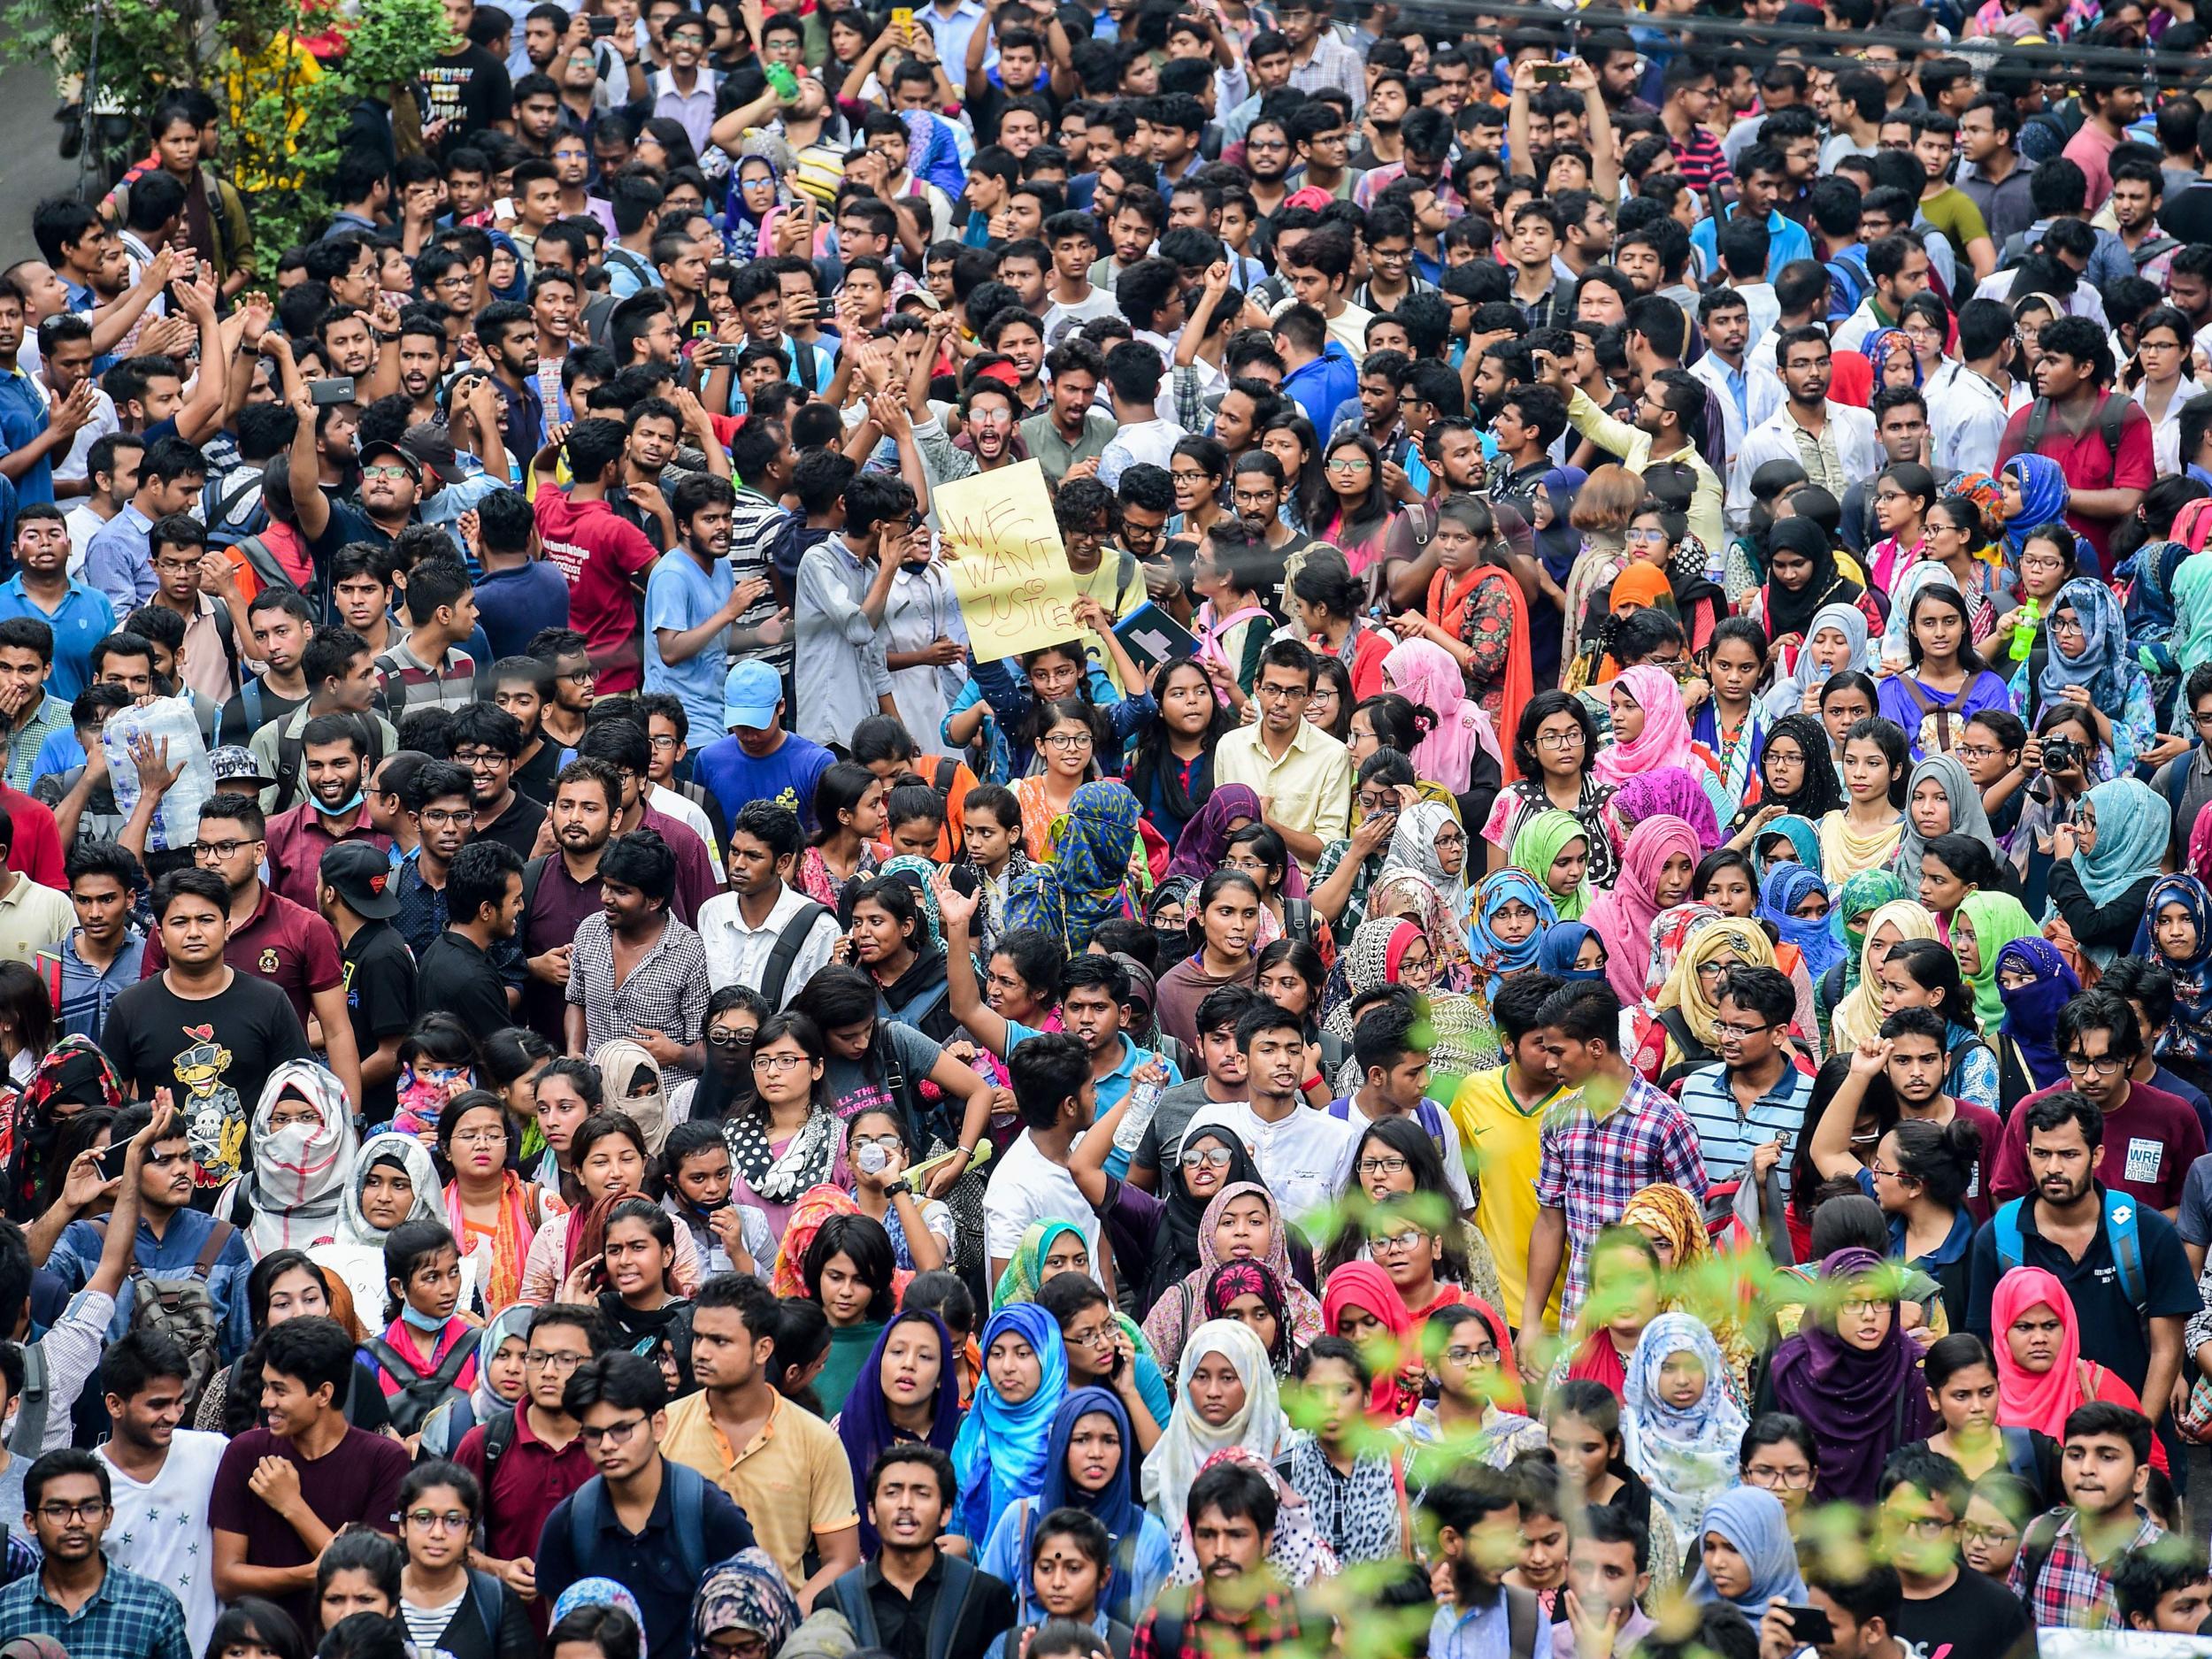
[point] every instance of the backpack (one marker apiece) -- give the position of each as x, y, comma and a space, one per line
2119, 1226
421, 1393
181, 1308
2111, 417
29, 1438
1849, 282
787, 950
687, 1507
218, 503
1428, 1113
291, 765
2036, 1545
954, 1594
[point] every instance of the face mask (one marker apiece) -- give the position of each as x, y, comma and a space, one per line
415, 1317
1174, 943
345, 810
422, 1095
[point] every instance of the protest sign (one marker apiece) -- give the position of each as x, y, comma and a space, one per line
1008, 565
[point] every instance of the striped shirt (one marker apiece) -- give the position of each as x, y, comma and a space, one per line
411, 683
1726, 1133
1700, 161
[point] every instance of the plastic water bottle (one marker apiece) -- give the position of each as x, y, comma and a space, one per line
168, 720
2025, 621
1144, 1099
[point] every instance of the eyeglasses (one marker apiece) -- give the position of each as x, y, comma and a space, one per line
2103, 1065
222, 851
1283, 694
579, 675
1369, 802
1450, 838
613, 1434
741, 1647
442, 817
1974, 751
1390, 1164
387, 472
1486, 1354
547, 1359
440, 1520
1646, 537
1559, 742
483, 757
1207, 1158
61, 1514
1348, 464
722, 1037
2064, 624
1928, 1525
888, 1143
1739, 1032
778, 1062
1396, 1244
1065, 741
1979, 1533
479, 1138
1785, 1479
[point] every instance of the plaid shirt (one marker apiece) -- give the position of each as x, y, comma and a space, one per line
666, 991
1272, 1626
128, 1618
2073, 1592
1592, 1166
52, 716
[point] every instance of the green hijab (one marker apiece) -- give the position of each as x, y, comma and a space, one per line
1862, 895
1542, 839
1998, 918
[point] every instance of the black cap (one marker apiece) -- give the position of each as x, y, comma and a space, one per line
361, 872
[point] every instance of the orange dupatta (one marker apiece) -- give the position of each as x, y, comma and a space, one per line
1450, 598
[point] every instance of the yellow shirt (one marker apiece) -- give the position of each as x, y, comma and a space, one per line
1503, 1139
32, 917
1310, 786
793, 1482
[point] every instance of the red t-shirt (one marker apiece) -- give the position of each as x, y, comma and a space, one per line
600, 554
37, 849
2149, 1144
2088, 464
290, 947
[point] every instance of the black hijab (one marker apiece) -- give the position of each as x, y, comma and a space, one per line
1790, 612
1176, 1255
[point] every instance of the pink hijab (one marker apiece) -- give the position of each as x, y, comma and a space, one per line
1425, 672
1623, 918
2024, 1401
1665, 738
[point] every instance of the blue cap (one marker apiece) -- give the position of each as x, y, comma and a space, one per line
750, 694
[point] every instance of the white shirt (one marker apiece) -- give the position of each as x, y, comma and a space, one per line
83, 524
1299, 1158
1966, 419
1026, 1186
160, 1531
921, 609
73, 465
1763, 395
1851, 332
2084, 301
1850, 430
1454, 1165
690, 814
1150, 443
2166, 435
738, 954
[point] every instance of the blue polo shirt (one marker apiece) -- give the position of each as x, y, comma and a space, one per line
1113, 1087
1318, 386
83, 618
1787, 241
22, 418
1727, 1134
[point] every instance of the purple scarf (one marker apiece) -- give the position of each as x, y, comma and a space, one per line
1851, 1398
865, 1425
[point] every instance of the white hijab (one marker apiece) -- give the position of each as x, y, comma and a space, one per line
1258, 1427
298, 1175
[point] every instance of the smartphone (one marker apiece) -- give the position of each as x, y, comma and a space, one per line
1810, 1624
1550, 74
902, 17
601, 28
338, 389
111, 1161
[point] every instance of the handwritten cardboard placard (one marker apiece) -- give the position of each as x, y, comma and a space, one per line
1008, 565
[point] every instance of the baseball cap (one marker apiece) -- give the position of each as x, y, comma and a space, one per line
384, 446
362, 875
430, 442
749, 695
234, 763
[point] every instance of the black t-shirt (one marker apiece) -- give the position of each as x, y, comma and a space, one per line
239, 725
1975, 1618
518, 826
986, 102
457, 978
213, 1053
471, 89
379, 984
534, 776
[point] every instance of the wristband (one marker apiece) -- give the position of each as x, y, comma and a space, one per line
898, 1189
1311, 1083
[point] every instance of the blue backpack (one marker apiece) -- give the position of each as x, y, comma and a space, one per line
1849, 282
2120, 1227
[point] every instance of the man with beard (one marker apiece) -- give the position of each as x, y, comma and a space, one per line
1834, 443
988, 410
1068, 436
1672, 406
459, 968
1478, 1519
391, 489
693, 597
422, 348
75, 1590
562, 888
2100, 438
568, 657
633, 967
654, 433
1256, 496
488, 741
336, 811
508, 333
1239, 1604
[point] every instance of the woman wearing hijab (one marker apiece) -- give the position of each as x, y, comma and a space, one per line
72, 1077
294, 1184
1855, 903
1809, 582
1507, 944
630, 1080
1225, 1233
1858, 1018
2104, 865
1026, 1274
2033, 982
1204, 842
1572, 951
1553, 847
1430, 842
1405, 890
2178, 917
1801, 781
1853, 1374
907, 1393
1155, 1240
357, 1254
1962, 813
1361, 1304
1667, 792
498, 1385
1673, 1224
757, 191
1681, 1428
1000, 1453
1426, 950
1656, 864
1087, 879
745, 1596
1232, 1283
1982, 926
2086, 650
1650, 729
1794, 902
1787, 840
1226, 1397
1687, 1007
2034, 493
1075, 1451
1423, 671
1754, 1553
2042, 1378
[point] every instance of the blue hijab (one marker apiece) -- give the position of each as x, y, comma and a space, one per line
1563, 943
1491, 896
1755, 1522
2101, 668
864, 1424
1783, 888
2031, 1010
1115, 1507
1802, 834
2043, 498
1001, 1454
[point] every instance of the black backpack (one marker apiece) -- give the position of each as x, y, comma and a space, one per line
421, 1393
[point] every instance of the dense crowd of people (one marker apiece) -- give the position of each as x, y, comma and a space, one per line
1565, 1012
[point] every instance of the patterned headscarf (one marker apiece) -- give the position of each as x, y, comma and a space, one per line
747, 1592
1094, 860
1497, 958
920, 874
1685, 987
1413, 847
1175, 1315
1862, 894
597, 1592
1448, 939
2101, 667
1671, 931
1367, 964
1538, 843
1233, 1279
73, 1073
2031, 1010
1665, 738
1667, 791
2188, 1034
1687, 1454
1786, 887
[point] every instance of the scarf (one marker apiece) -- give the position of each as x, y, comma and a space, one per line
298, 1179
920, 874
806, 1161
1558, 542
1257, 1426
1204, 841
1359, 1515
1425, 672
1669, 792
1847, 1395
1967, 816
1857, 1018
622, 1065
1665, 738
1536, 844
1684, 986
1173, 1318
787, 1275
1367, 964
1802, 834
864, 1424
1000, 1454
1399, 1372
1687, 1454
1671, 930
2103, 669
1233, 1279
1562, 945
1495, 958
747, 1592
513, 1320
2132, 825
1297, 1554
1754, 1520
1794, 611
1623, 918
1997, 919
409, 1154
1025, 1275
501, 1276
1413, 848
74, 1072
1668, 1210
1806, 672
2191, 641
2031, 1010
2027, 1400
1093, 854
1784, 888
1115, 1508
2150, 601
1176, 1254
2044, 494
2188, 1034
1447, 933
